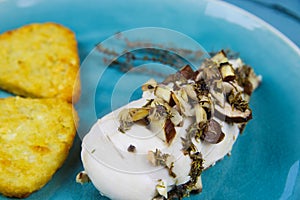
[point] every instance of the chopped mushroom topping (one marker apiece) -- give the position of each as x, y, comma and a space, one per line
158, 158
247, 79
218, 89
82, 178
213, 132
149, 85
187, 72
230, 114
162, 189
131, 148
227, 71
163, 92
220, 57
127, 117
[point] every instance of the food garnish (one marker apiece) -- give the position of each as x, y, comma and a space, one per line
194, 116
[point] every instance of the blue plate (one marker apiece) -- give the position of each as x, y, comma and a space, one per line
265, 160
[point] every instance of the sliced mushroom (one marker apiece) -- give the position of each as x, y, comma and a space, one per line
162, 189
138, 113
190, 91
219, 97
200, 113
161, 124
230, 114
149, 85
236, 63
213, 132
128, 116
169, 131
181, 100
209, 73
176, 118
187, 72
173, 78
164, 129
247, 79
220, 57
205, 101
163, 92
158, 158
125, 121
228, 87
227, 71
152, 158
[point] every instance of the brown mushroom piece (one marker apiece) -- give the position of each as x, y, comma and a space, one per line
128, 116
212, 133
247, 79
170, 131
163, 92
220, 57
187, 72
190, 91
227, 71
180, 98
230, 114
149, 85
161, 124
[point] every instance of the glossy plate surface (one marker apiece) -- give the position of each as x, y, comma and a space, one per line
265, 160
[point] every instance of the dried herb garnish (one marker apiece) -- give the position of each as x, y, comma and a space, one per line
158, 158
196, 167
236, 101
125, 126
170, 170
202, 87
183, 190
187, 146
179, 191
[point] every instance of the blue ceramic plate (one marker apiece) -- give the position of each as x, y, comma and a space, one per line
265, 160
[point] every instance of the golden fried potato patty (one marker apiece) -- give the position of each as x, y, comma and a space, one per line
35, 138
40, 60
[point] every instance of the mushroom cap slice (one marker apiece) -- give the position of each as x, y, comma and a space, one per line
231, 114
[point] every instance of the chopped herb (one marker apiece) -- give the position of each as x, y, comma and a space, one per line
201, 87
187, 146
170, 170
236, 101
196, 167
158, 158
